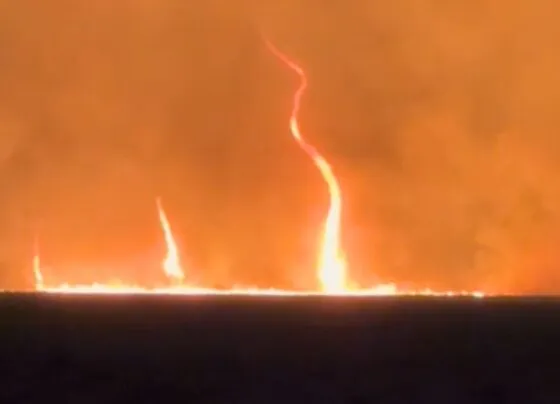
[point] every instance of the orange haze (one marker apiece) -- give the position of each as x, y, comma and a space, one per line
439, 120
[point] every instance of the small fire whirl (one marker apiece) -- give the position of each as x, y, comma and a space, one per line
171, 264
331, 262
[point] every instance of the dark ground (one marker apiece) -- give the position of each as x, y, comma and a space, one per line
79, 349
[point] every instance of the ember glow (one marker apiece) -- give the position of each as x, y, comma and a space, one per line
331, 264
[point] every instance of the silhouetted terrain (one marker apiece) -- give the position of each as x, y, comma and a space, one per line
81, 349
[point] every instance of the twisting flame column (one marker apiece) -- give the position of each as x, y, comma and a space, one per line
331, 260
171, 264
38, 275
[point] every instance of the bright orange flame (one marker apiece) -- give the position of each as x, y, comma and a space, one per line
331, 260
39, 282
117, 288
171, 264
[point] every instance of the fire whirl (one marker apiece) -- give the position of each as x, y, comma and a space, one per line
37, 274
171, 264
331, 263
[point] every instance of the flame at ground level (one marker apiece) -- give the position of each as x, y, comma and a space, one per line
388, 289
174, 273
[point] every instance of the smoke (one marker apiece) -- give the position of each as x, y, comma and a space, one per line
439, 117
442, 119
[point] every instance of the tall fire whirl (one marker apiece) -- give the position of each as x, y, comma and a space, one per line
331, 260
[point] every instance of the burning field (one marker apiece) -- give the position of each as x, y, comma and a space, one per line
443, 173
332, 271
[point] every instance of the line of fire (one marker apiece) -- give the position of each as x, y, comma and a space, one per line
331, 266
